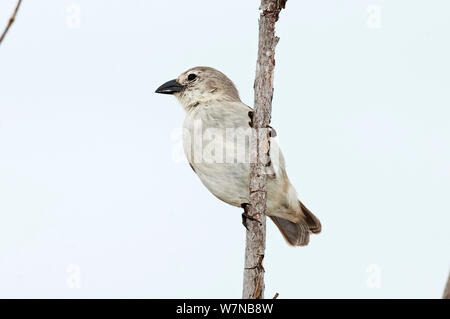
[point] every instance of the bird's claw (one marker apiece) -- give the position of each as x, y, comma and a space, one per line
246, 216
250, 115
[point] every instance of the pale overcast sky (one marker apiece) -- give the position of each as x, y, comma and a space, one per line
93, 203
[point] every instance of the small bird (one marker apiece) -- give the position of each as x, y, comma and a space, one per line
213, 112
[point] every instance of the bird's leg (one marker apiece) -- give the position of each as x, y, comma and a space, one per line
246, 216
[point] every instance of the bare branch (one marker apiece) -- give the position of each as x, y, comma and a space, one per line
11, 20
256, 232
447, 289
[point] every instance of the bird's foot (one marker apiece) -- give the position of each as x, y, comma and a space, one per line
246, 216
272, 132
250, 115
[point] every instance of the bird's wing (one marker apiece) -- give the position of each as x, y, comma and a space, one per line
238, 115
231, 115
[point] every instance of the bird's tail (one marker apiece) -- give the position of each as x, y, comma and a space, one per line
297, 234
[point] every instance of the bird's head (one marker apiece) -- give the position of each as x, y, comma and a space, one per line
200, 85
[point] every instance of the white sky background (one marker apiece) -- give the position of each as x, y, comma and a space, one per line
93, 205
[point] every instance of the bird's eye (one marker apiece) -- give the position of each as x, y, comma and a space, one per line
191, 77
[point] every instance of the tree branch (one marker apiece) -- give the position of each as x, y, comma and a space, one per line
447, 289
11, 20
260, 145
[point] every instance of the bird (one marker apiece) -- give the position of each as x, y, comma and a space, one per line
213, 112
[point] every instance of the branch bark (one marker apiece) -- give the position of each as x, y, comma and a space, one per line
11, 21
447, 289
256, 232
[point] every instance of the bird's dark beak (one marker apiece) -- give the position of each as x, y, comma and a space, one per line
170, 87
